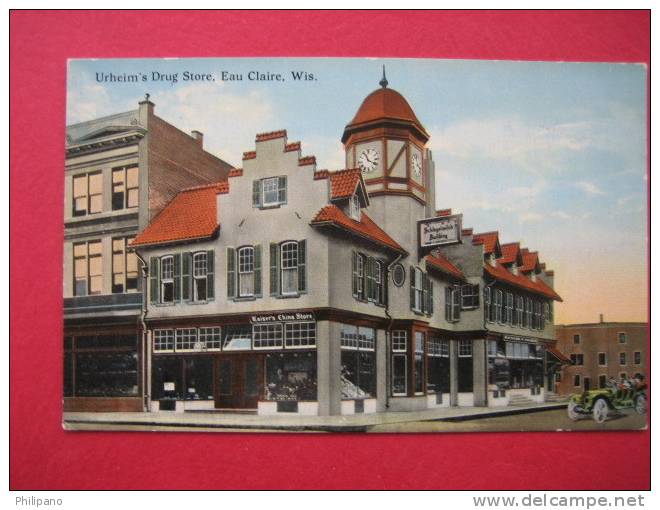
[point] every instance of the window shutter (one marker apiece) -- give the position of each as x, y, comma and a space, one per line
257, 270
448, 301
186, 276
231, 273
425, 294
412, 288
487, 303
281, 190
368, 270
382, 299
355, 275
154, 285
177, 277
457, 303
256, 193
365, 270
302, 263
430, 309
210, 275
274, 269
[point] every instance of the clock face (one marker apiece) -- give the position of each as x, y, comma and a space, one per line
368, 160
416, 165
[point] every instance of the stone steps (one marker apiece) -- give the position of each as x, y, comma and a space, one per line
520, 400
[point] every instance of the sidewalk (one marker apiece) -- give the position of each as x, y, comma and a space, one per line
296, 423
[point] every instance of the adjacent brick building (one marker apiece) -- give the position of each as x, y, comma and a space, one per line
599, 351
121, 170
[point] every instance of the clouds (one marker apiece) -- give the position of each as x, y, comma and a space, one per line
589, 188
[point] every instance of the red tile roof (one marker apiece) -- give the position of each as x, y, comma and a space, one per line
385, 103
558, 354
344, 183
440, 263
530, 260
293, 146
321, 174
467, 231
307, 160
502, 274
510, 253
365, 228
235, 172
249, 155
192, 214
271, 135
490, 240
443, 212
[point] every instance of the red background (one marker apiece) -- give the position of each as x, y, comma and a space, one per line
42, 456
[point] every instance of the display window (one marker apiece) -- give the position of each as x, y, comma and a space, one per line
358, 362
291, 376
437, 373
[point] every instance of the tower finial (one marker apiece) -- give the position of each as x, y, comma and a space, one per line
383, 81
147, 96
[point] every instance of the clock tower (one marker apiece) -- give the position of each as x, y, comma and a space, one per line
386, 140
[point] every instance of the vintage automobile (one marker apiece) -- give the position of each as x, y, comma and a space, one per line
617, 396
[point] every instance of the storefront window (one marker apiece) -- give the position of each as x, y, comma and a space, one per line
465, 377
291, 376
101, 366
167, 378
237, 338
198, 378
399, 362
358, 362
525, 365
106, 374
438, 365
419, 362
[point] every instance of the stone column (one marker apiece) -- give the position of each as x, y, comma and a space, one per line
479, 373
328, 368
453, 373
381, 370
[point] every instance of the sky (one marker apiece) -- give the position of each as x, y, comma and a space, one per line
550, 154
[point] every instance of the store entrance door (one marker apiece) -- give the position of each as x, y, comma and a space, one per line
239, 381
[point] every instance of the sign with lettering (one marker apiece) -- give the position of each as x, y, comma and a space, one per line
439, 231
515, 338
282, 317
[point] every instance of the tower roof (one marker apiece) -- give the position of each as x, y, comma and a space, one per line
384, 104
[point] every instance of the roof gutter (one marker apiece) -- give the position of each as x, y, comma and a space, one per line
388, 360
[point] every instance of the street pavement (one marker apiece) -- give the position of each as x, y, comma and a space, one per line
539, 421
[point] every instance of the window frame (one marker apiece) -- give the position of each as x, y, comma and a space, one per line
293, 269
123, 171
87, 195
87, 258
125, 256
264, 182
165, 281
637, 357
202, 277
470, 296
622, 335
623, 357
249, 275
604, 356
577, 381
354, 208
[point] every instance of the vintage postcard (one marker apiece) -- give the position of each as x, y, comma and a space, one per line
377, 245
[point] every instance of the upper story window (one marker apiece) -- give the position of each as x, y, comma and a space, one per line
498, 302
200, 273
622, 338
602, 359
577, 359
529, 312
269, 192
421, 292
244, 272
288, 268
184, 276
87, 268
354, 207
518, 313
368, 282
508, 316
469, 296
125, 186
576, 339
87, 194
124, 267
167, 279
452, 303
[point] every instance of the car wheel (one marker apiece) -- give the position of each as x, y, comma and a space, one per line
640, 404
600, 410
572, 413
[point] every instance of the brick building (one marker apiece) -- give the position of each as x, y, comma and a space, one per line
599, 351
121, 170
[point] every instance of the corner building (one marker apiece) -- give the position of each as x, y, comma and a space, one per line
293, 289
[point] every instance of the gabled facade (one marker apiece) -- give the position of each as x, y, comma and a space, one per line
120, 172
293, 289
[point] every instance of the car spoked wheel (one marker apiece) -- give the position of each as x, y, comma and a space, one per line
572, 413
600, 410
640, 404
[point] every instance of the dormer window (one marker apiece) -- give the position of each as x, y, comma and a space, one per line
514, 268
354, 207
533, 276
269, 192
492, 260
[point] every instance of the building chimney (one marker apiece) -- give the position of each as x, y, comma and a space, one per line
199, 136
601, 318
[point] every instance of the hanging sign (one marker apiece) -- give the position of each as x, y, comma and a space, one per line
439, 231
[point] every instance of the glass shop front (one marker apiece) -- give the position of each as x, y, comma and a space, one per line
270, 359
515, 364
